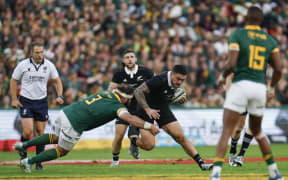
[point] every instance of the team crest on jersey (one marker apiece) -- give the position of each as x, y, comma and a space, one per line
45, 69
28, 69
139, 78
125, 80
165, 91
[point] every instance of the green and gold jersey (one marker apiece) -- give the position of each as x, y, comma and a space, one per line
255, 47
94, 111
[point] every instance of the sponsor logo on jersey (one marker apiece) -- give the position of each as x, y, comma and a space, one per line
140, 78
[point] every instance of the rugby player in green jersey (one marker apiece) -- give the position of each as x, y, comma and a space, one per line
250, 49
80, 116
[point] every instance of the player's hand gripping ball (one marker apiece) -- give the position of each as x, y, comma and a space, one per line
179, 96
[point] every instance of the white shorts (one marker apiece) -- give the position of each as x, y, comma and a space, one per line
246, 95
68, 137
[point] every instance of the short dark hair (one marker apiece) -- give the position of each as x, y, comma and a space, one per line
125, 88
254, 15
128, 51
36, 43
180, 69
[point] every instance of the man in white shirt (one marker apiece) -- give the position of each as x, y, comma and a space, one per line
34, 73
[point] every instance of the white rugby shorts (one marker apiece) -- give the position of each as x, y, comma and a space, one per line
246, 95
68, 137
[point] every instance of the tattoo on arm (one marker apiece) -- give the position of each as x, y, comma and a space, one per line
140, 95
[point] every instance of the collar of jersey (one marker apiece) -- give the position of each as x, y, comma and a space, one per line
252, 27
131, 73
31, 61
117, 97
169, 79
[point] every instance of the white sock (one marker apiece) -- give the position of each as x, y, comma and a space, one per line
273, 170
216, 169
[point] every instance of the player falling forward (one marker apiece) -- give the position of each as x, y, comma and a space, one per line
80, 116
250, 50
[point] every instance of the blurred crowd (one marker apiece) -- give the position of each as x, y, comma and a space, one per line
85, 40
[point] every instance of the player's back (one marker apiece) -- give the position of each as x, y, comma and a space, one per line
255, 47
93, 111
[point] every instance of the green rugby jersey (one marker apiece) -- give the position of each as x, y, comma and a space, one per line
93, 111
255, 47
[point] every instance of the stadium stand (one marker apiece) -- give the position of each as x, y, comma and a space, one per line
85, 40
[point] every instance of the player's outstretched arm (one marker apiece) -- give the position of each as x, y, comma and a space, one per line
139, 94
136, 121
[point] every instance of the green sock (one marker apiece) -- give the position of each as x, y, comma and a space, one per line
218, 162
269, 158
40, 140
45, 156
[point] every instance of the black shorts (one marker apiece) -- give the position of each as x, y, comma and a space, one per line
37, 109
166, 116
120, 121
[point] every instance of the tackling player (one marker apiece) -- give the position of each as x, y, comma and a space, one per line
80, 116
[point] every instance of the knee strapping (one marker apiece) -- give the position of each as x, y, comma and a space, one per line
259, 136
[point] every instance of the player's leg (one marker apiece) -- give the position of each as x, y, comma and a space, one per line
235, 137
175, 131
147, 140
256, 107
39, 130
68, 137
255, 125
230, 120
245, 144
133, 135
120, 130
27, 124
40, 113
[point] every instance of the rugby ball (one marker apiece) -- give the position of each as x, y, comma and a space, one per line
179, 93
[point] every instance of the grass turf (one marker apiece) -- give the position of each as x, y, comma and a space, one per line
279, 150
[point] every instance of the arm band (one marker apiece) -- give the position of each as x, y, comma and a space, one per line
147, 125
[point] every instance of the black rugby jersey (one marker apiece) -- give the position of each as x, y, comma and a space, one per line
134, 79
161, 90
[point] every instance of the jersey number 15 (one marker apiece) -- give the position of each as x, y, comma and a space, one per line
256, 61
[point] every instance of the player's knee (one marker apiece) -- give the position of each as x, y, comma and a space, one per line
259, 136
179, 139
62, 151
255, 131
27, 133
149, 147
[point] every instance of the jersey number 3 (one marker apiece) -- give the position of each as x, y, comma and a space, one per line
93, 100
256, 61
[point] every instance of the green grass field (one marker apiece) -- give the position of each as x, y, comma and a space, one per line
250, 170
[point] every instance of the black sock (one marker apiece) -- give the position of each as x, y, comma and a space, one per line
24, 152
233, 148
246, 142
133, 141
198, 159
133, 131
115, 156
